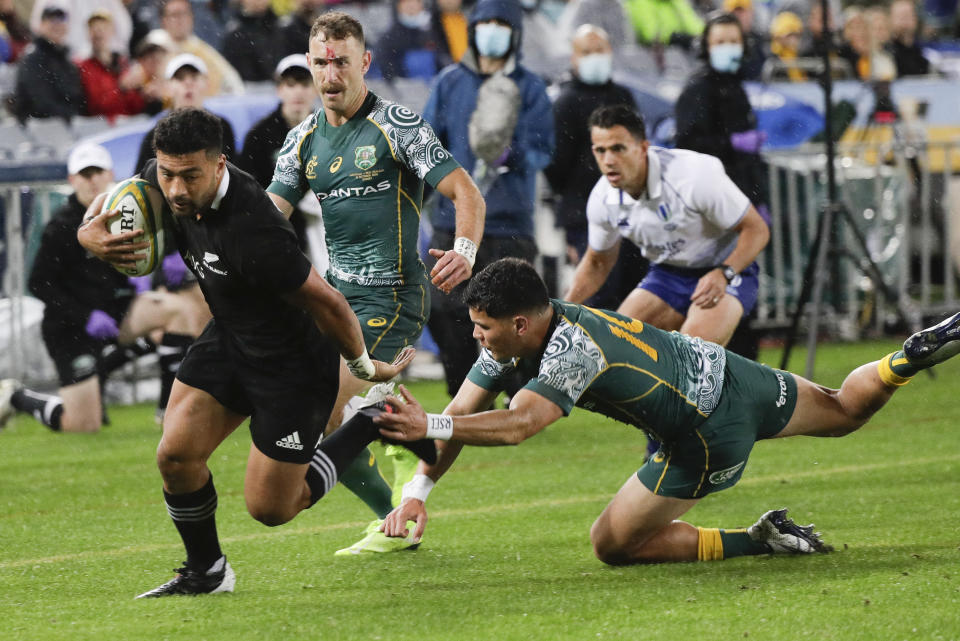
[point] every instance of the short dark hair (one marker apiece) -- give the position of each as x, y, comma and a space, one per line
506, 287
187, 130
337, 25
166, 3
715, 18
610, 116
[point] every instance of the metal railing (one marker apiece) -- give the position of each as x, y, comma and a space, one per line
900, 193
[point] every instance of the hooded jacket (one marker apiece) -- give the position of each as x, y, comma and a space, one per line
453, 98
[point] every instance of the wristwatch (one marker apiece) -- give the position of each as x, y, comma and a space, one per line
728, 272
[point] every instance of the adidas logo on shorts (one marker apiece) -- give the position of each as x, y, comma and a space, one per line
291, 442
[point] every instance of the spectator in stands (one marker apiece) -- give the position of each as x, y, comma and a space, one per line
187, 84
786, 34
79, 11
754, 42
146, 75
408, 48
295, 27
903, 46
143, 15
714, 116
608, 15
253, 42
263, 142
92, 312
664, 22
541, 48
48, 84
572, 171
110, 90
177, 37
449, 24
18, 34
493, 115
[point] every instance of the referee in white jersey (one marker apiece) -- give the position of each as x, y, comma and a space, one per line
697, 229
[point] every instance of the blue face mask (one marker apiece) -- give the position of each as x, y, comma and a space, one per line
725, 58
595, 69
493, 40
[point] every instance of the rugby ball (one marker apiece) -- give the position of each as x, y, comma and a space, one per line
139, 205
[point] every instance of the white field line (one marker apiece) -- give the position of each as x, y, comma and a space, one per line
486, 509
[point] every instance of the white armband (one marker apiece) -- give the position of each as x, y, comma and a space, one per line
439, 426
418, 488
362, 367
466, 248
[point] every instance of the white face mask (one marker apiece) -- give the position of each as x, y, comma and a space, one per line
595, 69
419, 21
493, 40
725, 58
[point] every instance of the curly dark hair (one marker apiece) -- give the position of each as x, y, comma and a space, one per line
506, 287
610, 116
337, 25
186, 130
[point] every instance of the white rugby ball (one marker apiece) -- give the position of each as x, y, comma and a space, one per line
139, 205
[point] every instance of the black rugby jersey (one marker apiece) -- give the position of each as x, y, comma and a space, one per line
245, 255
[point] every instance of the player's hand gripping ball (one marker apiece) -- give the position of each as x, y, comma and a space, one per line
139, 205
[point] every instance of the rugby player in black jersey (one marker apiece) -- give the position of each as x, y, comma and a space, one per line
271, 352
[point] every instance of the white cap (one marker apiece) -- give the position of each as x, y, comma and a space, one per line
184, 60
88, 155
293, 60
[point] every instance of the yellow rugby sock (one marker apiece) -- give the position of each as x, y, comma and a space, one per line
709, 544
894, 369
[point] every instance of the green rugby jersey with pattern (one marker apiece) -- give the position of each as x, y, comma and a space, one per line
664, 383
368, 175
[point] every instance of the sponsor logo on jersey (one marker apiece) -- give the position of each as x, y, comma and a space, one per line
664, 211
379, 321
352, 192
782, 398
658, 457
208, 259
310, 171
722, 476
335, 165
365, 157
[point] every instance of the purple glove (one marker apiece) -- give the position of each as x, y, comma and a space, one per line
101, 325
174, 269
502, 159
140, 284
749, 142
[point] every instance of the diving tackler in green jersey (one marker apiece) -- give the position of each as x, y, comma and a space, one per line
376, 162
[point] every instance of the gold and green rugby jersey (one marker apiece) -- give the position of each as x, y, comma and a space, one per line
368, 175
664, 383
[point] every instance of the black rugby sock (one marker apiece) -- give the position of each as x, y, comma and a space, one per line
337, 452
46, 408
170, 353
194, 515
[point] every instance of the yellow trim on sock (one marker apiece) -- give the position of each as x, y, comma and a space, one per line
887, 375
709, 544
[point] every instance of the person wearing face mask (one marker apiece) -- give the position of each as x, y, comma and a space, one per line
408, 48
494, 116
714, 116
572, 172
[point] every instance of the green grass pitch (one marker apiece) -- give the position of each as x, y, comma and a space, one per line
507, 555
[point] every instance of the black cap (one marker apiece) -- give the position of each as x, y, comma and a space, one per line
53, 13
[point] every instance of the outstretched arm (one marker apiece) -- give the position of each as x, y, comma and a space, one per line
456, 264
530, 413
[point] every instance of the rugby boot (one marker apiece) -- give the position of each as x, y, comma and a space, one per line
189, 581
376, 542
785, 536
934, 344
